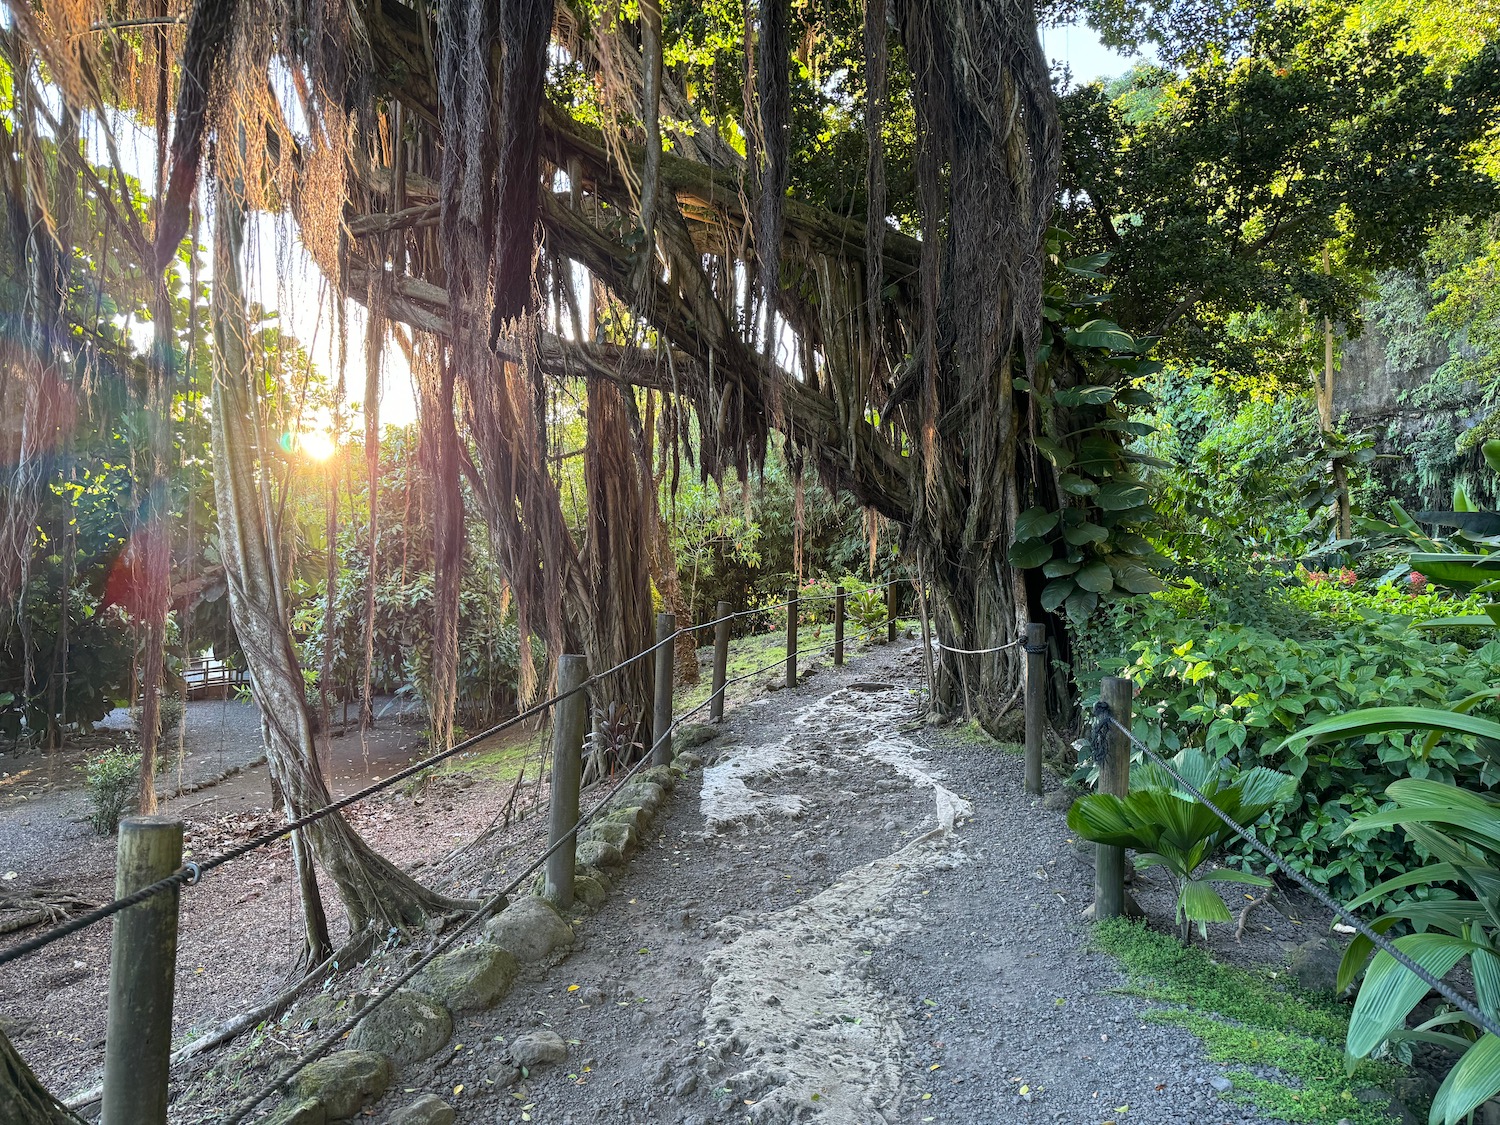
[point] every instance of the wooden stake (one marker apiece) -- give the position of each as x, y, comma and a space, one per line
567, 775
838, 627
791, 637
1036, 704
890, 613
721, 662
1114, 777
142, 975
661, 719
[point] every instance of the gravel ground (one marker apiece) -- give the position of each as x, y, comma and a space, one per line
846, 917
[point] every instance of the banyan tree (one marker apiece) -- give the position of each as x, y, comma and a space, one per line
720, 222
710, 224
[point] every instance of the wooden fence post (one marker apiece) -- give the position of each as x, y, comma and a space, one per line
791, 637
890, 613
661, 718
142, 975
1036, 704
567, 775
721, 662
838, 627
1114, 777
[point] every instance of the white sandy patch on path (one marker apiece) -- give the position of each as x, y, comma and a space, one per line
791, 993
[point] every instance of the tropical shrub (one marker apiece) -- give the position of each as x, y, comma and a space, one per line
1167, 826
1243, 693
1460, 831
111, 782
867, 610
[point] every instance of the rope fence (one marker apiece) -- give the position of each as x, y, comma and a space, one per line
149, 840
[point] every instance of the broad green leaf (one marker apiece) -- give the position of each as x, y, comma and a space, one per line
1057, 454
1390, 991
1465, 519
1056, 592
1029, 553
1230, 875
1059, 568
1096, 577
1080, 605
1461, 571
1033, 523
1491, 450
1474, 1079
1118, 495
1085, 532
1100, 334
1101, 817
1137, 579
1376, 720
1472, 620
1201, 903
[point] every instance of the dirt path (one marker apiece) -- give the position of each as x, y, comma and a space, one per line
841, 920
240, 928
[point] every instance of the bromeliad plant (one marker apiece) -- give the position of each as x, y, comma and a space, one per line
1167, 826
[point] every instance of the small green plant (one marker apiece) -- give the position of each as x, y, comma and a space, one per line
111, 781
866, 609
1168, 827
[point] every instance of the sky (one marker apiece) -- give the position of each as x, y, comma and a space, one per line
1079, 47
281, 275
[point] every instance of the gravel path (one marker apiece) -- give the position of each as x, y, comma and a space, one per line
839, 920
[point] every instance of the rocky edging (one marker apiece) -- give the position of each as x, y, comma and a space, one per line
416, 1022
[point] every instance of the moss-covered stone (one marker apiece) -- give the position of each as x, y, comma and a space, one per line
589, 892
646, 794
594, 852
634, 816
408, 1027
622, 837
659, 775
584, 870
347, 1081
429, 1109
468, 979
298, 1111
529, 929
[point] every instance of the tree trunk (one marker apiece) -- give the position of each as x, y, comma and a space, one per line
23, 1099
374, 891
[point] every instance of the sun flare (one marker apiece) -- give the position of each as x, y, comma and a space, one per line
316, 444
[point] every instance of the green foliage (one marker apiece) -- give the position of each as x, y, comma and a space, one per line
1218, 187
867, 610
1242, 692
1460, 831
111, 781
1087, 536
1252, 1019
1167, 826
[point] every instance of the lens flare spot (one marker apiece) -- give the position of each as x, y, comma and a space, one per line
316, 444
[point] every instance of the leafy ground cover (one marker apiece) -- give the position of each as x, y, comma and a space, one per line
1254, 1018
1236, 676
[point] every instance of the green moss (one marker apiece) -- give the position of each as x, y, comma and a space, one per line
1252, 1018
499, 758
